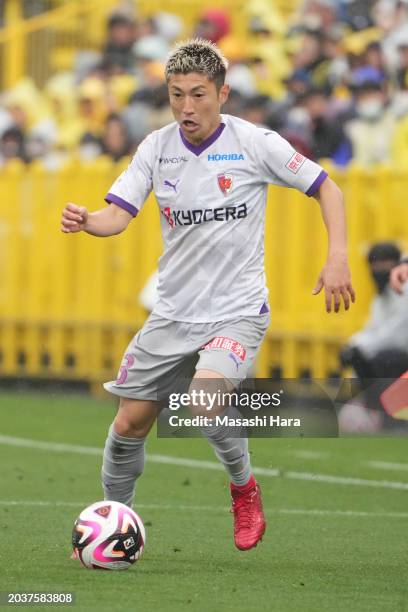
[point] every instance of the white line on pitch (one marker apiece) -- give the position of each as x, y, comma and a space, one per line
386, 465
177, 507
207, 465
347, 480
83, 504
50, 446
361, 513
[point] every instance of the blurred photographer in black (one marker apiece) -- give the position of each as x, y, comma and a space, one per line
380, 349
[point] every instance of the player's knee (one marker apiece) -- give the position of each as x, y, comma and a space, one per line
127, 428
132, 420
130, 428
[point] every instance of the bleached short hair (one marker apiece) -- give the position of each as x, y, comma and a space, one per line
197, 55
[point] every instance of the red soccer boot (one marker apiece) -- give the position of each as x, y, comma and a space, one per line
249, 519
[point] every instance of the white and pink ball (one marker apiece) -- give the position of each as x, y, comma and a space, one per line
108, 535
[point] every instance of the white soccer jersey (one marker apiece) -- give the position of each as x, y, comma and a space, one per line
212, 200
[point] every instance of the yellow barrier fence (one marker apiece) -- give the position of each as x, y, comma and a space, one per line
69, 303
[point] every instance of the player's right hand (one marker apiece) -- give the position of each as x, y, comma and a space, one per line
74, 218
398, 277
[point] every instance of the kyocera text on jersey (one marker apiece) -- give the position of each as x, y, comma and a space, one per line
225, 157
198, 215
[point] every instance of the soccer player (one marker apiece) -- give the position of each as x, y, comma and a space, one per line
209, 173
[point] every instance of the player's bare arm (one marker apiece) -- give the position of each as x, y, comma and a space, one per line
108, 221
335, 276
399, 276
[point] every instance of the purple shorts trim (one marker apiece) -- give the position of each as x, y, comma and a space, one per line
264, 308
316, 183
111, 198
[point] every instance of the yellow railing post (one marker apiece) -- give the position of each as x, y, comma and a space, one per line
14, 51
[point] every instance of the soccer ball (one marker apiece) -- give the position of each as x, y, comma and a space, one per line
108, 535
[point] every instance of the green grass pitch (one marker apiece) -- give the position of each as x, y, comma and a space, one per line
338, 546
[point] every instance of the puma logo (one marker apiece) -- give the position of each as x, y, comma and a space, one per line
172, 185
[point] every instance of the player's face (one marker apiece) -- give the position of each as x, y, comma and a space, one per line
196, 102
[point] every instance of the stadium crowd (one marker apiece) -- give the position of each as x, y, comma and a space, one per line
333, 81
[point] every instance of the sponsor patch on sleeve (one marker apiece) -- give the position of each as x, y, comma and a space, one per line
295, 162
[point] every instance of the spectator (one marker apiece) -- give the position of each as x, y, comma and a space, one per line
12, 145
296, 130
297, 84
374, 57
115, 141
307, 69
256, 110
318, 14
327, 135
380, 349
355, 13
120, 41
94, 105
148, 110
310, 55
90, 147
391, 17
213, 25
370, 132
368, 66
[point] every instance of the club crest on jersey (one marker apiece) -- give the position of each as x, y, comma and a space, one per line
225, 183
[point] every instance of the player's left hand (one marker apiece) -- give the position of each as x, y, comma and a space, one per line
336, 280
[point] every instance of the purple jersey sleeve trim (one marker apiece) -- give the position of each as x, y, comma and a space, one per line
198, 149
111, 198
316, 183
